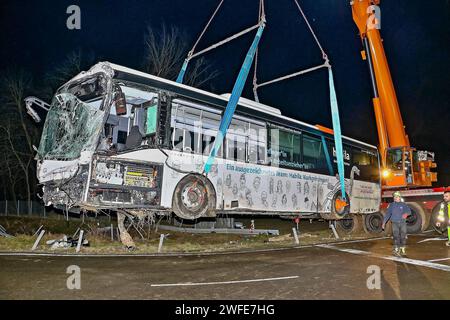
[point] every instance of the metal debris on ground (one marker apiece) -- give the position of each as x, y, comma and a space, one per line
305, 234
65, 242
125, 237
284, 237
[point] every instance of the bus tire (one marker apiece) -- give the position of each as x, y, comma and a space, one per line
417, 221
349, 225
194, 197
342, 212
373, 222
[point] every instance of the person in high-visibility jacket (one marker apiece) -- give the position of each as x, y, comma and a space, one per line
444, 211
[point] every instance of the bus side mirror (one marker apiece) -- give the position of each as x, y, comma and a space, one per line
120, 102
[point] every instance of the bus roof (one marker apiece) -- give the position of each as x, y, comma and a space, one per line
245, 106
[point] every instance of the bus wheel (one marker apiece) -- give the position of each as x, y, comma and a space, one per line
433, 220
373, 222
192, 197
339, 207
416, 222
349, 225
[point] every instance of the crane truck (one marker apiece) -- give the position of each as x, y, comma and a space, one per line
404, 168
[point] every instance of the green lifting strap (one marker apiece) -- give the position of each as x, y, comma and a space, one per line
337, 132
234, 98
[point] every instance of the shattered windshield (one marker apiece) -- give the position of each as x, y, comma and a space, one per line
72, 126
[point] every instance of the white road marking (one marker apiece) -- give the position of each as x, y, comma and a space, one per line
131, 255
432, 239
360, 240
436, 260
421, 263
219, 282
423, 234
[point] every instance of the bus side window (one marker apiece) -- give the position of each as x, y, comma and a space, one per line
151, 116
314, 159
192, 121
210, 125
194, 129
236, 140
176, 125
256, 149
285, 148
290, 149
185, 135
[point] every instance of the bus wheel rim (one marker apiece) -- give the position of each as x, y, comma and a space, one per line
192, 196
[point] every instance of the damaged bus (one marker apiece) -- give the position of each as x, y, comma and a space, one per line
119, 139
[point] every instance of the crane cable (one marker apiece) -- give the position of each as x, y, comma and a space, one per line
334, 108
324, 55
191, 53
255, 79
326, 63
204, 29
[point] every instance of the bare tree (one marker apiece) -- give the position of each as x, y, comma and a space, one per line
10, 172
18, 132
165, 54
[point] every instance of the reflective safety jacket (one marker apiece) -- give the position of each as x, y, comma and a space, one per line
444, 209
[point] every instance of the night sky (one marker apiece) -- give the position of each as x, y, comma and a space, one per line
416, 37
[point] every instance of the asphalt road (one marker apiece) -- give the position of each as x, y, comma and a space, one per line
338, 271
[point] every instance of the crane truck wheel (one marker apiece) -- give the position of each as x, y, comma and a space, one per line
350, 224
194, 197
417, 221
372, 222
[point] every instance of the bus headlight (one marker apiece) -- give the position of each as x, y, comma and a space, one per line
386, 173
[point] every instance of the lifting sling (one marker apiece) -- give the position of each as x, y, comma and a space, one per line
232, 102
337, 133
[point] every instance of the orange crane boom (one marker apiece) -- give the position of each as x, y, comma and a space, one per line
403, 166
